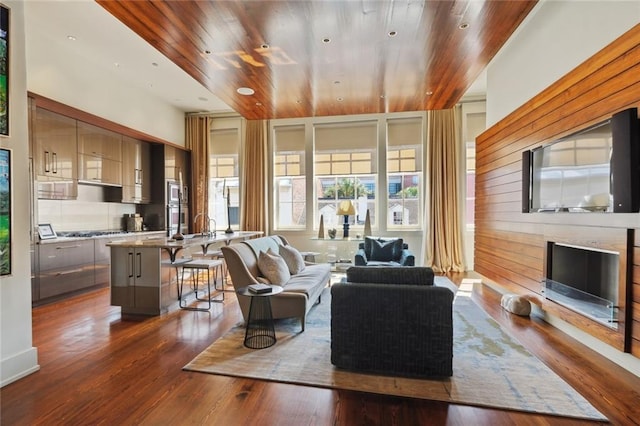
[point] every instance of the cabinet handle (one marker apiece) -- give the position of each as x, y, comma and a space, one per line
67, 247
73, 271
131, 266
46, 161
54, 158
139, 274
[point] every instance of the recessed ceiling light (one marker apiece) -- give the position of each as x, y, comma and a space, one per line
326, 40
117, 64
207, 52
72, 38
246, 91
336, 82
202, 98
258, 103
381, 96
339, 99
463, 26
392, 33
265, 45
429, 93
155, 64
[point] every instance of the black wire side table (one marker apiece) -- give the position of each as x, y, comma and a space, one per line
260, 332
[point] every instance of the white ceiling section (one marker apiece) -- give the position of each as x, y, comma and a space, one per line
132, 91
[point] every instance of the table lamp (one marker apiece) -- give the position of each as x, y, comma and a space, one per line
345, 208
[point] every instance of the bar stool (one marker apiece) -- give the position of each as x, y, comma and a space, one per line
195, 268
216, 255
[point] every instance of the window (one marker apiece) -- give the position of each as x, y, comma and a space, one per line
475, 124
289, 177
404, 171
224, 182
345, 160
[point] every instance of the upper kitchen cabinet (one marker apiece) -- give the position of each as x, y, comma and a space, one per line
177, 163
55, 155
136, 171
99, 155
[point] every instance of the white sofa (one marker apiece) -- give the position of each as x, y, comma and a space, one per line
299, 294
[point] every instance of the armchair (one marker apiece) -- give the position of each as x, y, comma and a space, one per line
392, 321
384, 252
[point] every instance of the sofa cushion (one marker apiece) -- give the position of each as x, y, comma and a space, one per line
386, 250
293, 259
309, 278
273, 267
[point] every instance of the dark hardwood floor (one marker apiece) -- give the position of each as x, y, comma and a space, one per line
97, 368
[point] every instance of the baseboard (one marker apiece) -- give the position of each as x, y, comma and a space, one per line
18, 366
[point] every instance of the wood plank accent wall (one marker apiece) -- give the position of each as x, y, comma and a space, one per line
510, 246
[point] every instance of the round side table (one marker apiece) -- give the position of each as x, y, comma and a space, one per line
260, 332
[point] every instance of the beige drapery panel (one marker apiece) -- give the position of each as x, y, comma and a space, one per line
254, 214
442, 241
197, 134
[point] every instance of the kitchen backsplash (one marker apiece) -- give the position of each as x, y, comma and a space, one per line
88, 212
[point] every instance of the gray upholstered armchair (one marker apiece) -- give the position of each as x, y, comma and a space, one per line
384, 252
392, 321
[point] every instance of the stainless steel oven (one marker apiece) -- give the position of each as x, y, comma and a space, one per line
177, 208
175, 215
174, 195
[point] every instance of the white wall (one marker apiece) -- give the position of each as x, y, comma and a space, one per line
58, 72
17, 355
555, 38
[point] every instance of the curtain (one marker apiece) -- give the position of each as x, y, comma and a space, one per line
254, 214
197, 134
442, 241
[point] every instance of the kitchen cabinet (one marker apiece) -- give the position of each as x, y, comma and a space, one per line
176, 162
136, 171
135, 278
55, 155
99, 155
65, 267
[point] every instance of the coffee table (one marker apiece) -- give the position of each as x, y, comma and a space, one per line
260, 332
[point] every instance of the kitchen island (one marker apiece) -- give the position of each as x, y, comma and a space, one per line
144, 273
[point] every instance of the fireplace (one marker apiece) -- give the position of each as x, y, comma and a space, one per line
584, 280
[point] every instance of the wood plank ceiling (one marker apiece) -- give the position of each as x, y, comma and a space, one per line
317, 58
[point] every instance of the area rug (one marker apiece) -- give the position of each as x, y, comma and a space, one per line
490, 368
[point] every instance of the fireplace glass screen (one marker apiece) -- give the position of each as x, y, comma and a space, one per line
584, 280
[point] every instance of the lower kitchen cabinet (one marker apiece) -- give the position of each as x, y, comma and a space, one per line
135, 280
65, 267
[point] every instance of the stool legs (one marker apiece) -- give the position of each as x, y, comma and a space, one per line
196, 285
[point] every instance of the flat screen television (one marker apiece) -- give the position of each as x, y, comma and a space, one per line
592, 170
573, 173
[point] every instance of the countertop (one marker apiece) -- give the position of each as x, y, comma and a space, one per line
188, 241
124, 236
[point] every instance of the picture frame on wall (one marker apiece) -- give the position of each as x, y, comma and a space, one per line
5, 211
4, 70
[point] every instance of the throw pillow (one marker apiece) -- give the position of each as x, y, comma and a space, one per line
386, 251
293, 259
273, 268
368, 246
